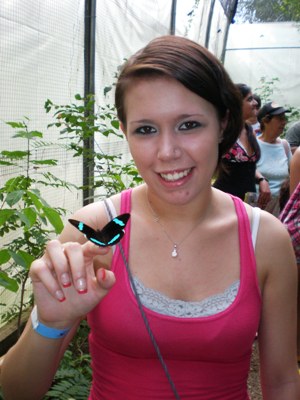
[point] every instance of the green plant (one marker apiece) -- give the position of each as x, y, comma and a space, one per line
22, 207
24, 211
82, 124
69, 384
267, 88
73, 379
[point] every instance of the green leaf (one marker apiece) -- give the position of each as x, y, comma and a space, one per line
14, 155
13, 197
28, 135
4, 256
22, 258
6, 163
48, 105
5, 214
54, 219
44, 162
8, 283
115, 124
14, 183
106, 90
16, 124
28, 216
35, 198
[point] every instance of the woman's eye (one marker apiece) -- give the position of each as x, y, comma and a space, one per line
145, 130
189, 125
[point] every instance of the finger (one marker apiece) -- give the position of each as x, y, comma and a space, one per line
77, 266
80, 263
91, 250
57, 260
40, 273
105, 278
70, 262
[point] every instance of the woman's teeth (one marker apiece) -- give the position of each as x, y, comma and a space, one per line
174, 176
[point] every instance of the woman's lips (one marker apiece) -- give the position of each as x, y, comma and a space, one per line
175, 175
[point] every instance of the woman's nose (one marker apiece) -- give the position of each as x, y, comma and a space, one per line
168, 147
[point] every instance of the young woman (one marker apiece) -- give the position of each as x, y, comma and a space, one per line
237, 169
175, 308
253, 121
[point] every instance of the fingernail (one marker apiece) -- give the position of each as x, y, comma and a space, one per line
81, 285
60, 296
65, 280
103, 274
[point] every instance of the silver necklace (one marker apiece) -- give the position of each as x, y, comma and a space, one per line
175, 250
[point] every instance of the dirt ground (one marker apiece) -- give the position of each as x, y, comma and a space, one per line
253, 381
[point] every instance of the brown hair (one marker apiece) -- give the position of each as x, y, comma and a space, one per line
244, 91
194, 67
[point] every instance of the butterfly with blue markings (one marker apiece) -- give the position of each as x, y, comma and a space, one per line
110, 235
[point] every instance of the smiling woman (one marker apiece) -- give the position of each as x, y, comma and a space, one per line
200, 73
175, 143
175, 307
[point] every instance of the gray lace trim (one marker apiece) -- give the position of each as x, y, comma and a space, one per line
162, 304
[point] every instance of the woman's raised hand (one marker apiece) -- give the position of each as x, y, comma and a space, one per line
65, 284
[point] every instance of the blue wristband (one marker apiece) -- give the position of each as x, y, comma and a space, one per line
46, 331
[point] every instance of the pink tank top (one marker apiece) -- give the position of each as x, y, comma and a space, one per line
208, 358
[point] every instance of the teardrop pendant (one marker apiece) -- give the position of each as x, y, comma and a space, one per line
174, 251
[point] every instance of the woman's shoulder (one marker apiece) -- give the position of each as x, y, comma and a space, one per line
90, 211
273, 251
271, 227
271, 231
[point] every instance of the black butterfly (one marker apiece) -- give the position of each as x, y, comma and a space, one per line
111, 234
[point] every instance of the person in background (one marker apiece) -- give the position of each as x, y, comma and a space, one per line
295, 170
275, 157
290, 216
175, 308
293, 135
253, 121
237, 170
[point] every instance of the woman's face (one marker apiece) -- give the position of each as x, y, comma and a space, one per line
249, 107
275, 125
173, 135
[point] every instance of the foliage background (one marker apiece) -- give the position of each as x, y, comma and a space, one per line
252, 11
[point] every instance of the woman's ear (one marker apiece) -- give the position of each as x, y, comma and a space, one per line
123, 129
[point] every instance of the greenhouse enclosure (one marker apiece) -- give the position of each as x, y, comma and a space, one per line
53, 50
62, 146
266, 50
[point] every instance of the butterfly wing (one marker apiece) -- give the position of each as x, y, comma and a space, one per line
110, 235
85, 229
113, 232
